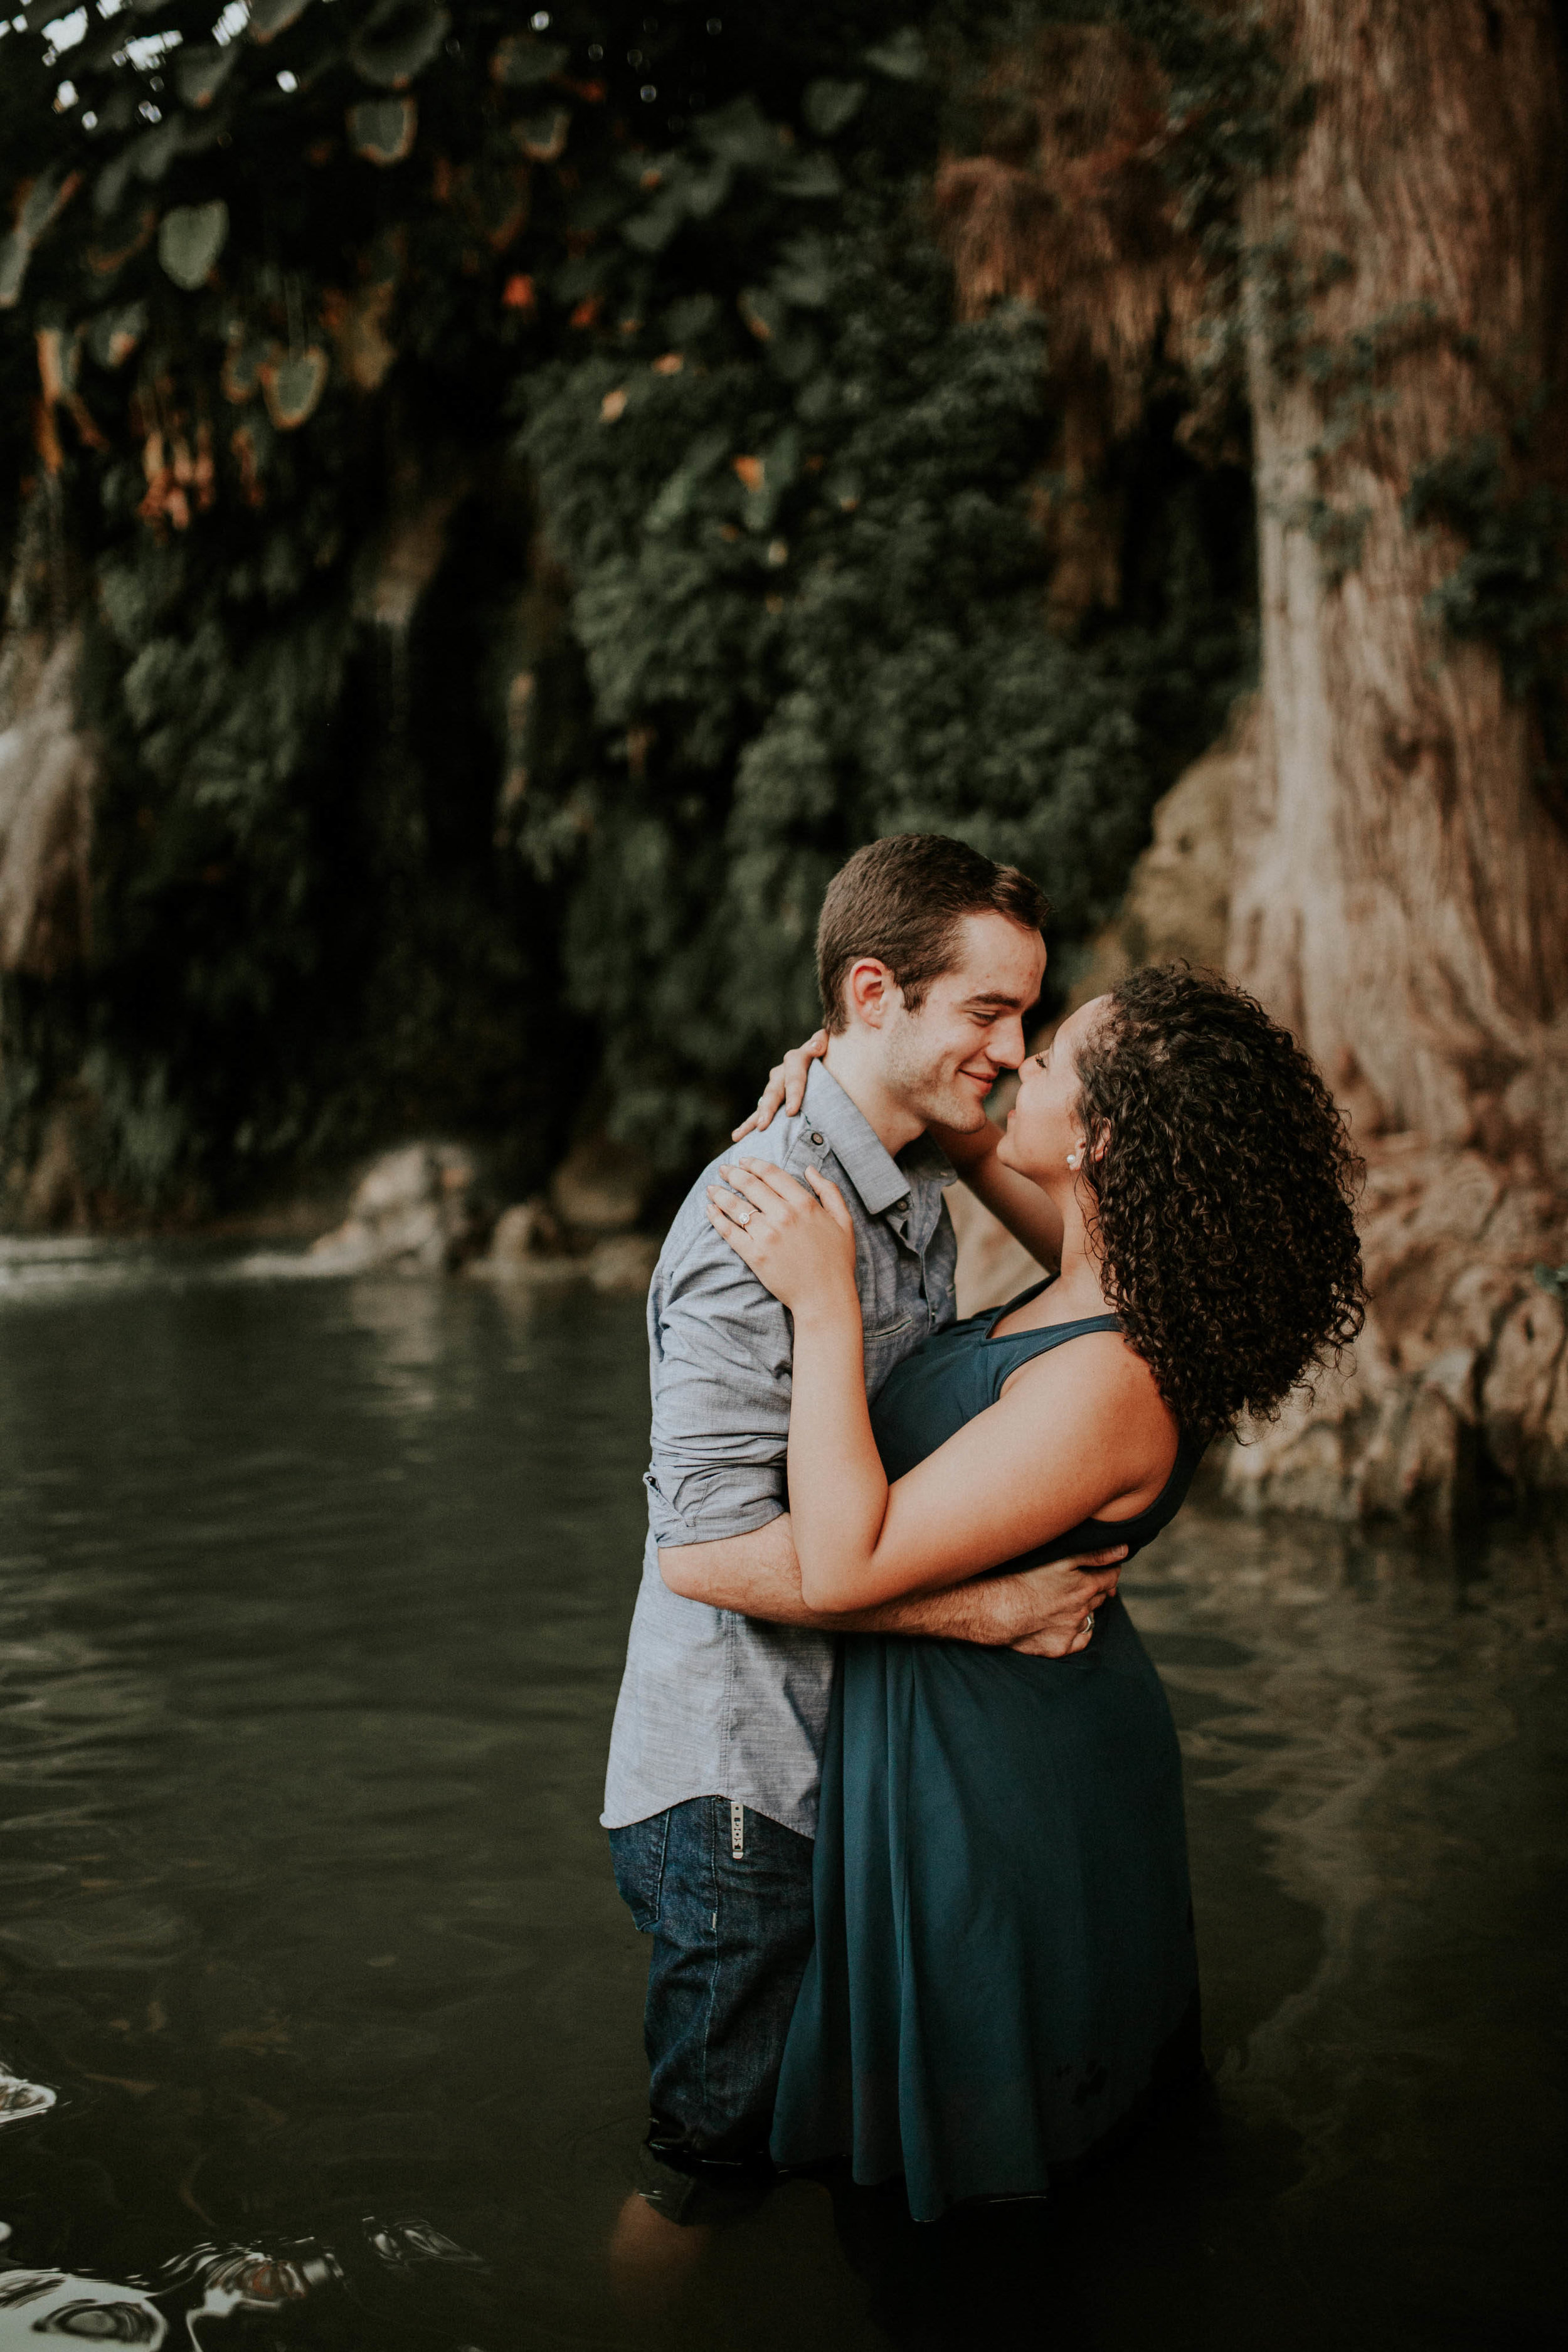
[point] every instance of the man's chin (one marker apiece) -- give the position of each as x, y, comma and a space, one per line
960, 1111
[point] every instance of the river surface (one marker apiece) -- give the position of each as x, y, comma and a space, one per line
320, 2015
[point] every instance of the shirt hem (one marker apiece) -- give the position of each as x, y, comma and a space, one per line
803, 1825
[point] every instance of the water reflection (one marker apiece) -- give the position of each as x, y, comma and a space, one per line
312, 1599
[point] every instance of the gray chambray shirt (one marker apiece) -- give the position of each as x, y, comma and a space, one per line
713, 1704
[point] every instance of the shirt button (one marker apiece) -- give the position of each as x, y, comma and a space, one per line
817, 1140
899, 1207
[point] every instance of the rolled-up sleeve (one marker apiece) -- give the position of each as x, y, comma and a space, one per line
720, 1349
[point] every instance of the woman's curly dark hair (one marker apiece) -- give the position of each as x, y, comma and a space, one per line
1223, 1196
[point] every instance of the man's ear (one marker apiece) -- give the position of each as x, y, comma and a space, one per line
870, 992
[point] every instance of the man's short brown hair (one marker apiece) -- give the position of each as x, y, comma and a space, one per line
902, 901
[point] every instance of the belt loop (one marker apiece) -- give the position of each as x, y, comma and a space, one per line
737, 1831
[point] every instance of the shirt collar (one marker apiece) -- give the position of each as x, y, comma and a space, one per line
876, 1176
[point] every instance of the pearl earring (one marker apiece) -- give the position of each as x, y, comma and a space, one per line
1072, 1159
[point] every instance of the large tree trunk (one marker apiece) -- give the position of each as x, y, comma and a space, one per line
1399, 882
1401, 891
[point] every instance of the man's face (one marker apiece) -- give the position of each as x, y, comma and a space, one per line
942, 1061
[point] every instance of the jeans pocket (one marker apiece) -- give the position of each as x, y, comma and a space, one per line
637, 1852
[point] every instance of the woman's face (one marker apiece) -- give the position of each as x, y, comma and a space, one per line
1043, 1126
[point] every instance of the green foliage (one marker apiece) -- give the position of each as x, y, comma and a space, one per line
811, 609
308, 280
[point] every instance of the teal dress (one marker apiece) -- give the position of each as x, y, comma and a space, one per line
1003, 1970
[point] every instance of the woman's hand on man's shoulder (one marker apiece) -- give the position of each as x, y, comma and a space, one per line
786, 1088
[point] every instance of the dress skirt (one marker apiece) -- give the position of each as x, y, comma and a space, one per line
1004, 1969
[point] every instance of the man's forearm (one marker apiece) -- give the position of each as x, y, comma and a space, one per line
759, 1576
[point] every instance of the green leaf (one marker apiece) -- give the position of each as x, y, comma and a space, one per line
742, 133
190, 239
270, 17
200, 73
398, 41
383, 130
293, 387
827, 106
902, 56
651, 230
521, 61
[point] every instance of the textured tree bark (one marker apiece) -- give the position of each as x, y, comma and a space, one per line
1399, 877
1401, 886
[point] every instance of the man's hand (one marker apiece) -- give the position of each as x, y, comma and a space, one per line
1066, 1596
786, 1088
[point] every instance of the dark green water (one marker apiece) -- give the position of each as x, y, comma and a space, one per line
312, 1600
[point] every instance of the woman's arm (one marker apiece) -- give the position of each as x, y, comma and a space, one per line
993, 1490
759, 1576
1030, 1216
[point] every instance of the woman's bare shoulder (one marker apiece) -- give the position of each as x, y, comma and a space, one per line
1101, 1375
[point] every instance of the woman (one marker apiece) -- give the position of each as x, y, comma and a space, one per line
1005, 1969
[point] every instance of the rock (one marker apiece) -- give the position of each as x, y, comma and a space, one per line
625, 1264
1178, 895
600, 1187
1461, 1375
1522, 1435
527, 1230
54, 1193
48, 774
418, 1208
529, 1246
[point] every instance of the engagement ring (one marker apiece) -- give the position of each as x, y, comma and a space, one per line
741, 1220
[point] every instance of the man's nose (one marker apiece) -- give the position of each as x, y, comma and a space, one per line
1005, 1044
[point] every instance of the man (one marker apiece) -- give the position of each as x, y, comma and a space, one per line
929, 955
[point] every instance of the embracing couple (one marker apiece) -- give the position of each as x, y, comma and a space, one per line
893, 1785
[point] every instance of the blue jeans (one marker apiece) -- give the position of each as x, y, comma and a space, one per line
726, 1896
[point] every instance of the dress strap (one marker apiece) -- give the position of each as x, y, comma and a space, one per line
1051, 1335
1016, 1348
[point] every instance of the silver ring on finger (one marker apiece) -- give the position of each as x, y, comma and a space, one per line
1088, 1625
